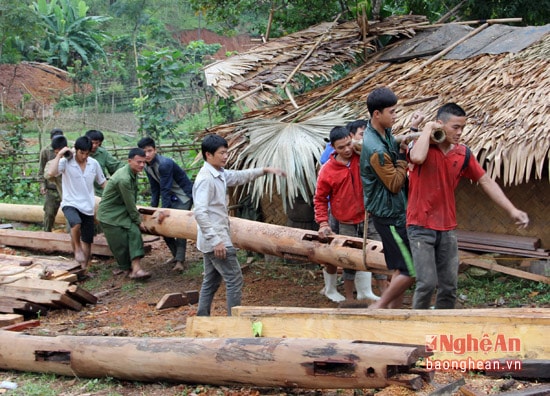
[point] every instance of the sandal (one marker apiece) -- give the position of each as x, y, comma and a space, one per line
140, 275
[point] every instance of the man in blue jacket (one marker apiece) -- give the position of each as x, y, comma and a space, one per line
170, 185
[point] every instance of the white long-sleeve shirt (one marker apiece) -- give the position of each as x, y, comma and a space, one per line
210, 203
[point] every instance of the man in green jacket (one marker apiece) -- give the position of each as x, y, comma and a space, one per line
48, 188
120, 219
109, 164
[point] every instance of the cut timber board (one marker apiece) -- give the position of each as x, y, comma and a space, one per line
530, 326
9, 319
491, 239
14, 267
493, 266
58, 242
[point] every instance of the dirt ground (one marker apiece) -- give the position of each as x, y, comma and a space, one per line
127, 308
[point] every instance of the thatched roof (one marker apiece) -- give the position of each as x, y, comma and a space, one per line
505, 96
256, 76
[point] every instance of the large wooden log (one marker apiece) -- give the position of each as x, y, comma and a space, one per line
270, 362
27, 213
275, 240
502, 327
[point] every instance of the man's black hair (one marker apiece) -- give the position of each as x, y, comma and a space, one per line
55, 132
211, 143
355, 125
58, 142
94, 134
380, 98
338, 133
448, 110
83, 143
136, 151
147, 141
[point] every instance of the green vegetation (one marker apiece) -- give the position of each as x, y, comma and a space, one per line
493, 289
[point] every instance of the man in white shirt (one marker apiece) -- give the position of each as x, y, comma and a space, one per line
78, 173
212, 217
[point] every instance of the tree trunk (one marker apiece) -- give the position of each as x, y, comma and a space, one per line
290, 243
269, 362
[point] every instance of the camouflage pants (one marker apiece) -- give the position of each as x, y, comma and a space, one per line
51, 206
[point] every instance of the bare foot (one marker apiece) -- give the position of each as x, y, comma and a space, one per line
139, 275
178, 267
169, 261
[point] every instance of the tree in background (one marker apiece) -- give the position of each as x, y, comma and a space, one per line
69, 34
161, 75
289, 16
17, 27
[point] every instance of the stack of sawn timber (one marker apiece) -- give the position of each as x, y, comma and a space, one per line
500, 243
32, 286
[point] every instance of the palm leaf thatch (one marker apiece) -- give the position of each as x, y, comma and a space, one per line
505, 96
256, 76
293, 147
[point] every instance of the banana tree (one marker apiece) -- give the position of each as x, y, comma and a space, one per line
69, 34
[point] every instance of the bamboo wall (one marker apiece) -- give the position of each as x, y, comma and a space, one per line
477, 212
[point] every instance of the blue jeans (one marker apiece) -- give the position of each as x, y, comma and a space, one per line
435, 256
215, 270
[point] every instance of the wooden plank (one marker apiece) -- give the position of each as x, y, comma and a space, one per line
49, 241
171, 300
530, 369
42, 284
491, 265
22, 325
46, 297
12, 264
382, 325
13, 305
59, 242
79, 294
503, 240
9, 319
539, 253
540, 390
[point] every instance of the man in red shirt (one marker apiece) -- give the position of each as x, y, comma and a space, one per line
431, 213
339, 183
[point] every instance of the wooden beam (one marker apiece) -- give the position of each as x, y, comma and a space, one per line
57, 242
491, 265
503, 240
10, 319
22, 325
383, 325
526, 369
266, 362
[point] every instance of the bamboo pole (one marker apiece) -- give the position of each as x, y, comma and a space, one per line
317, 43
474, 22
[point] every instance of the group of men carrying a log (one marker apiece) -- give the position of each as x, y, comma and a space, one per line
407, 191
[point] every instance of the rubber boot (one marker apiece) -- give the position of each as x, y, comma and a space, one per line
330, 287
363, 286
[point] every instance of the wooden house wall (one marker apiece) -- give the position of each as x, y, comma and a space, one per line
477, 212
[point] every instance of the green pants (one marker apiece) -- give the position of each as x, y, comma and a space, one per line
52, 200
125, 244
